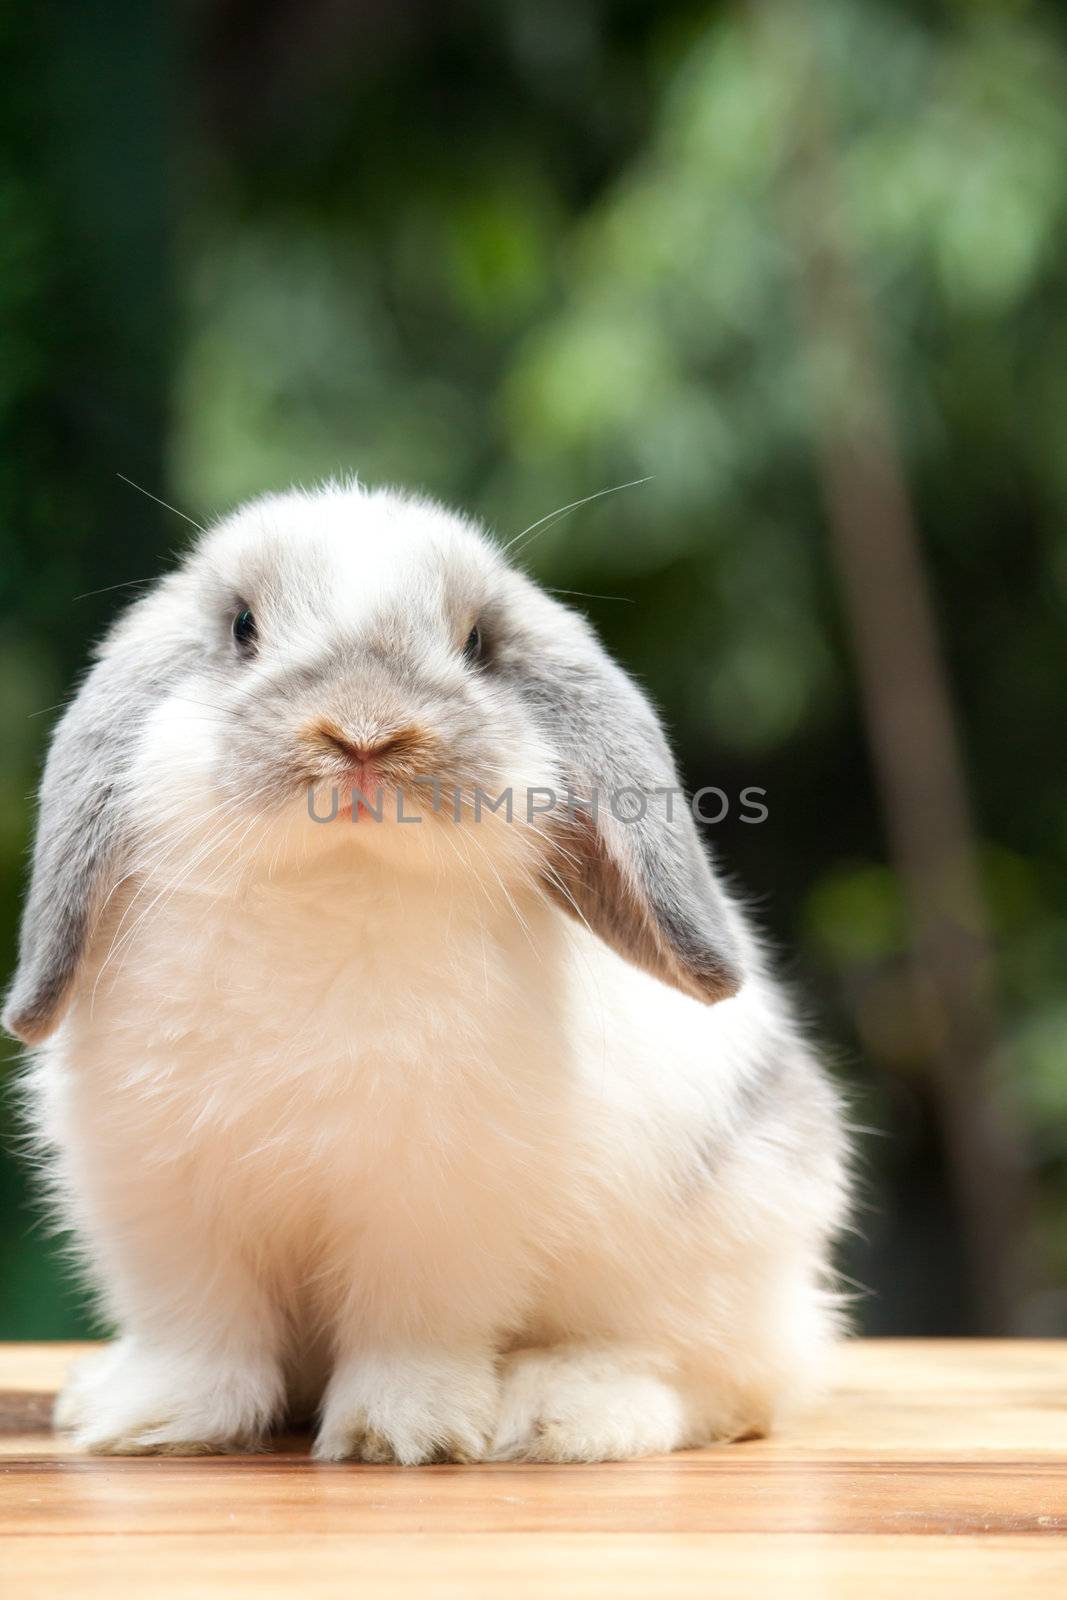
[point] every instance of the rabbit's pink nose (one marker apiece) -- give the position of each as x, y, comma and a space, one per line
361, 752
355, 751
364, 753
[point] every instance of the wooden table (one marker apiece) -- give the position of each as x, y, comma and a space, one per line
935, 1468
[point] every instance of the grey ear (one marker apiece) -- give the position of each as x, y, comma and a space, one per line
644, 885
80, 847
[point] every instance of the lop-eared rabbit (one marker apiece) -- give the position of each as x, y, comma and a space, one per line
397, 1059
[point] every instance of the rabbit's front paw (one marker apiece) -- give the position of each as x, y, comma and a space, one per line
128, 1401
575, 1404
409, 1409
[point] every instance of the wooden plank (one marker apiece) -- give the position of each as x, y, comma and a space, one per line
536, 1567
958, 1398
940, 1464
686, 1494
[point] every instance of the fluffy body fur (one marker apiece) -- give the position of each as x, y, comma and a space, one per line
354, 1120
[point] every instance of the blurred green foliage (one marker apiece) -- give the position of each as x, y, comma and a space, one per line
516, 253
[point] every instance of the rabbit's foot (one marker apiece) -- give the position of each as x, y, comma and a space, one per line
409, 1409
576, 1403
129, 1401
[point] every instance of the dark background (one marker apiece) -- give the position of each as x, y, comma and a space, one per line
800, 262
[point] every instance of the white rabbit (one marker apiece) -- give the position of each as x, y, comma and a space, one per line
479, 1136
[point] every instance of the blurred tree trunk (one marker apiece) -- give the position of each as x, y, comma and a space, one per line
909, 718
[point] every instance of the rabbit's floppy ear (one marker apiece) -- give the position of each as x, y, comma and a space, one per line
644, 885
82, 839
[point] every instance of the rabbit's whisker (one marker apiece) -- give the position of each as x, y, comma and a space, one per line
545, 522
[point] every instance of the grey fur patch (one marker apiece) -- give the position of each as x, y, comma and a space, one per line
757, 1098
82, 836
786, 1098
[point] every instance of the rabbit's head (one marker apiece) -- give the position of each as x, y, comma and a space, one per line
345, 657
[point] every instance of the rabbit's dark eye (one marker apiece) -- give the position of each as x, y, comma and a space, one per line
244, 629
473, 648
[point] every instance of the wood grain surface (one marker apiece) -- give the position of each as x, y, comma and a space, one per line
933, 1468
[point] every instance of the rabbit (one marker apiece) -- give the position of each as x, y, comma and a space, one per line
470, 1127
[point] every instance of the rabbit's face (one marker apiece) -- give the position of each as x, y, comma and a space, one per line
361, 662
316, 649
